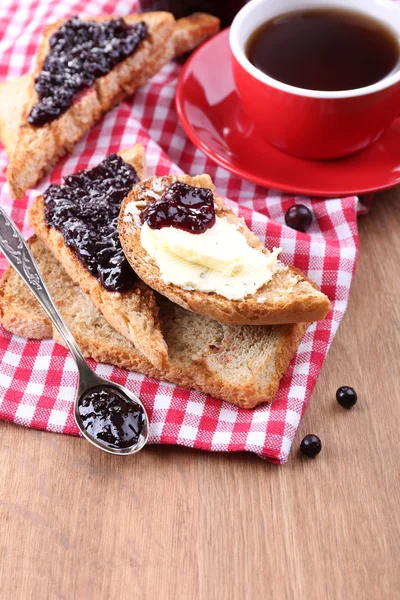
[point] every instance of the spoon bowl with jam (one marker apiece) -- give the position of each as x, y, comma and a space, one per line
108, 415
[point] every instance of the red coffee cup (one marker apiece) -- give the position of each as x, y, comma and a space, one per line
308, 123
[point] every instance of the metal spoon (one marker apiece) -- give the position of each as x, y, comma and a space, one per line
18, 254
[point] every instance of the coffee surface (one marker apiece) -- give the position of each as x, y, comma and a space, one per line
325, 49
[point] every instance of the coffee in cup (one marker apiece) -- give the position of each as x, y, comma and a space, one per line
325, 49
308, 90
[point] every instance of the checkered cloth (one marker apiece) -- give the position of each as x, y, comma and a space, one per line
38, 379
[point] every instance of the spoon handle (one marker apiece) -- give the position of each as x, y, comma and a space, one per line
20, 257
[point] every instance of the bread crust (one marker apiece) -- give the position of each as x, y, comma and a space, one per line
289, 297
191, 31
35, 150
206, 369
14, 315
13, 97
134, 314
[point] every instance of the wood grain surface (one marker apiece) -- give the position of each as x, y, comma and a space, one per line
179, 524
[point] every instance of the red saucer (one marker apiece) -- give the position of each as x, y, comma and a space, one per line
211, 116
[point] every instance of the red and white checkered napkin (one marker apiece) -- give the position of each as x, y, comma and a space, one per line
38, 379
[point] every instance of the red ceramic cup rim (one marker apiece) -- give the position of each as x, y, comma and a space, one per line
250, 17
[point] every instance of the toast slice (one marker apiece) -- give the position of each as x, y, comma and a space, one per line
240, 364
134, 313
13, 97
35, 150
289, 297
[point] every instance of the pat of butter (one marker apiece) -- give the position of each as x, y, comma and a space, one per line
218, 260
221, 247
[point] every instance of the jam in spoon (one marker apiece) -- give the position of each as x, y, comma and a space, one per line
108, 415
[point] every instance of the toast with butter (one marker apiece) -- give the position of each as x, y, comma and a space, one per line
132, 312
224, 271
240, 364
37, 147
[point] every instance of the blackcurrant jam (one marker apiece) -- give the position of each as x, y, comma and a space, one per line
80, 52
182, 206
85, 210
111, 417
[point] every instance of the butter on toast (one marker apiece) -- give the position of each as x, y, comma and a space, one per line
134, 313
35, 150
240, 364
289, 297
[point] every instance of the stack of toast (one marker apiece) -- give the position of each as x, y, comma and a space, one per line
235, 350
34, 151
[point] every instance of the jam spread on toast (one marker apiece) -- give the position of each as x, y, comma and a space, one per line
112, 418
182, 206
80, 52
85, 210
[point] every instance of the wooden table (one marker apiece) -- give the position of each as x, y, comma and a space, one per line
180, 524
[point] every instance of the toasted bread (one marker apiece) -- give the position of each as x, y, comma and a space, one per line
240, 364
134, 314
35, 150
288, 298
191, 31
13, 97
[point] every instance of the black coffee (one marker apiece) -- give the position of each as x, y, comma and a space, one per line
325, 49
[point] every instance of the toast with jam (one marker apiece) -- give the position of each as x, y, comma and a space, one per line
77, 220
84, 68
185, 243
240, 364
